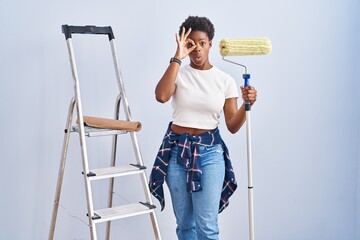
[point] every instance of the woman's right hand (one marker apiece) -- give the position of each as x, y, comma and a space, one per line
185, 45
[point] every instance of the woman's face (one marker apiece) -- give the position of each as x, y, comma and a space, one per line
199, 57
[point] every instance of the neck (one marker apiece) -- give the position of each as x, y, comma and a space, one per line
204, 66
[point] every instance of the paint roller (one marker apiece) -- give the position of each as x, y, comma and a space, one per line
246, 47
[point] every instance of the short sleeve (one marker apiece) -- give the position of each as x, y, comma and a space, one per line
231, 88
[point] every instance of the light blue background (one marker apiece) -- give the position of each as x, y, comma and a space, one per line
306, 134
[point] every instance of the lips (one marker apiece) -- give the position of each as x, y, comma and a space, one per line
197, 57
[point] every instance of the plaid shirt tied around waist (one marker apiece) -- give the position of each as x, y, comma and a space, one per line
188, 153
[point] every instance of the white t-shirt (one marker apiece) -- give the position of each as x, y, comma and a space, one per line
200, 96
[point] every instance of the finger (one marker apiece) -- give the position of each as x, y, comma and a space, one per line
192, 48
187, 33
243, 92
177, 37
250, 89
189, 40
245, 97
249, 95
183, 33
252, 92
253, 97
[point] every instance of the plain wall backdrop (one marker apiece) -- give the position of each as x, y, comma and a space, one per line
305, 124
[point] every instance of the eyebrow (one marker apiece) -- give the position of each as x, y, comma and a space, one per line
203, 39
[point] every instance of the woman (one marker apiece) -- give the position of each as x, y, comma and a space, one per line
193, 159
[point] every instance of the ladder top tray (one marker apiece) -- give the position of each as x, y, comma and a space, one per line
96, 132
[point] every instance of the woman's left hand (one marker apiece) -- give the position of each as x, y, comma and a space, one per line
249, 93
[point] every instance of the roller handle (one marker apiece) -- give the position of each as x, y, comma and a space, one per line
246, 77
68, 30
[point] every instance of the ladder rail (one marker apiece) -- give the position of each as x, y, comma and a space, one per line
113, 162
134, 140
120, 81
61, 168
126, 108
82, 138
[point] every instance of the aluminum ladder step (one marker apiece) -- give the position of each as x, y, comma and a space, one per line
109, 172
97, 132
128, 210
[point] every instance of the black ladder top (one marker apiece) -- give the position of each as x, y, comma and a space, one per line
68, 30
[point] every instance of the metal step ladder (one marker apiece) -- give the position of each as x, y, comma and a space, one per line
112, 212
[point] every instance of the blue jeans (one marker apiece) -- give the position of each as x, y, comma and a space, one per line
197, 213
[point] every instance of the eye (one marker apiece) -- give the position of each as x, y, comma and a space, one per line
189, 45
202, 44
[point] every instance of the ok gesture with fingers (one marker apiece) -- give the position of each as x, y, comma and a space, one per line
185, 44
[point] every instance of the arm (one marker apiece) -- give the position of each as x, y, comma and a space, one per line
235, 117
166, 86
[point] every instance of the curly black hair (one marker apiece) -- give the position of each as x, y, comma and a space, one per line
201, 24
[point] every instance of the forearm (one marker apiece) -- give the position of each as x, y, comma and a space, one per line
235, 117
235, 122
166, 86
